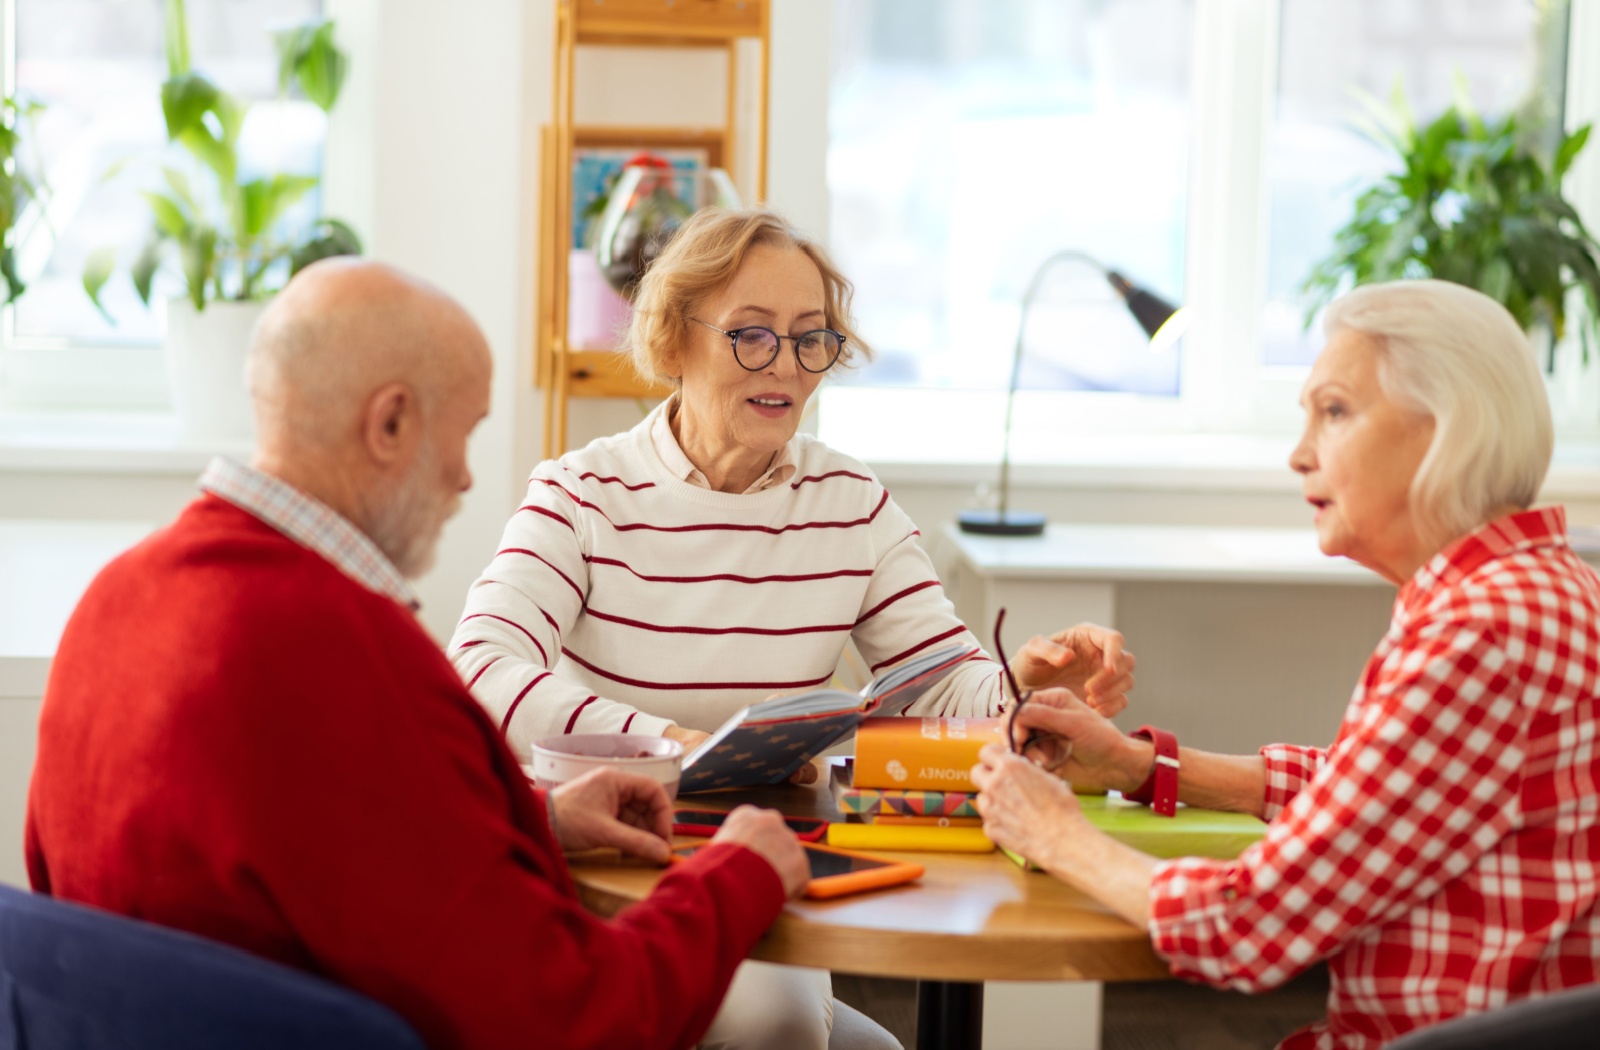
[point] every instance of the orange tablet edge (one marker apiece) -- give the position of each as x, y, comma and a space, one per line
894, 873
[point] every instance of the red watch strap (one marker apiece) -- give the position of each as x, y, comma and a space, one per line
1160, 789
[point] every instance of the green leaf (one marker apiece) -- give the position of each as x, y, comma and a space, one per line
168, 214
198, 254
176, 34
115, 169
1568, 151
8, 271
206, 121
218, 156
143, 270
307, 55
182, 189
291, 44
331, 238
96, 272
185, 100
265, 200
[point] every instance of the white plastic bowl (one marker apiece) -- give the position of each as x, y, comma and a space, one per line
558, 759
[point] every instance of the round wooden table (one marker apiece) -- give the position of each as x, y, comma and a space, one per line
973, 917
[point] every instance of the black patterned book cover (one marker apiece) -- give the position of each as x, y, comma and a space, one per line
766, 742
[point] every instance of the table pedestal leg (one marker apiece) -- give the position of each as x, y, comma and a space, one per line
949, 1015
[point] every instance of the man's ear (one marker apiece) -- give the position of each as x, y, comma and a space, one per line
391, 423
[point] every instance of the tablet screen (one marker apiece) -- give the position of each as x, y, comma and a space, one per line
824, 864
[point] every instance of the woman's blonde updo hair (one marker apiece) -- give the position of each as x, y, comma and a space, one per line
699, 260
1458, 356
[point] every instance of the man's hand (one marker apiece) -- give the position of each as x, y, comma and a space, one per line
607, 807
764, 831
1087, 659
1077, 742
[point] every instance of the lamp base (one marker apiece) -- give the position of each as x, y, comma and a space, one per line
994, 523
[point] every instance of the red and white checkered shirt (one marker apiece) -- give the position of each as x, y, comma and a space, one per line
1444, 853
310, 523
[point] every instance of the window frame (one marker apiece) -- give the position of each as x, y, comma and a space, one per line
1224, 388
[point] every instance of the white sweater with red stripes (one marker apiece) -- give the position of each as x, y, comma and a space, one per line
623, 599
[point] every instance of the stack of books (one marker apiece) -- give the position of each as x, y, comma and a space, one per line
1191, 832
909, 786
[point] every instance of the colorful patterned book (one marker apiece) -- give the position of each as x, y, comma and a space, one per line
868, 803
766, 742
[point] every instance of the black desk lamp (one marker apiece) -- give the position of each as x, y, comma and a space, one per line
1153, 314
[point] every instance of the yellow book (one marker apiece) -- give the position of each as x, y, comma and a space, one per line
895, 819
933, 840
921, 754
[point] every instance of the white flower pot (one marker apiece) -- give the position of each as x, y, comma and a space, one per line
206, 354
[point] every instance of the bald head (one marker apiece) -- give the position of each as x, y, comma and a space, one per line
342, 329
366, 384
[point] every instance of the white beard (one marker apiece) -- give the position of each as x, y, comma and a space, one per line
407, 524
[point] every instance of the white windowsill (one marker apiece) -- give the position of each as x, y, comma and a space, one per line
104, 442
150, 443
1193, 463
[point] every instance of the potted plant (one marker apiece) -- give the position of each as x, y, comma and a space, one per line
226, 231
1477, 202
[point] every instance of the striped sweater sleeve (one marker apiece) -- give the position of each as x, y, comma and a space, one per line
516, 615
905, 613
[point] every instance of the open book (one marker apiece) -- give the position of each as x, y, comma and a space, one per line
766, 742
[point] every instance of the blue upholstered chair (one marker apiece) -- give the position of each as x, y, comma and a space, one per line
1568, 1020
75, 978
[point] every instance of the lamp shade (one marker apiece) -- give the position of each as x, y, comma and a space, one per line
1149, 309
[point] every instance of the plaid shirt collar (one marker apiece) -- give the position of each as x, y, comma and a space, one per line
781, 469
1544, 527
310, 523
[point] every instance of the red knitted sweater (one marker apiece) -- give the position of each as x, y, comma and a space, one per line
240, 741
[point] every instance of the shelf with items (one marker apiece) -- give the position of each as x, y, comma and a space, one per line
572, 359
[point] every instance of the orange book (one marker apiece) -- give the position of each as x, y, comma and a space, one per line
921, 754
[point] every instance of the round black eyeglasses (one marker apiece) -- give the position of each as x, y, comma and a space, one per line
755, 347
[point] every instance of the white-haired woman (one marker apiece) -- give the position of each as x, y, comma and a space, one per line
1444, 853
660, 579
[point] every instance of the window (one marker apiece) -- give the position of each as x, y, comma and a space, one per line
97, 66
1205, 149
1502, 55
971, 140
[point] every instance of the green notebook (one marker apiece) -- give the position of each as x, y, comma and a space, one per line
1190, 832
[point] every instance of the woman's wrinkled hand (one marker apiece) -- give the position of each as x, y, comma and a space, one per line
1088, 659
689, 738
1024, 808
806, 774
1071, 739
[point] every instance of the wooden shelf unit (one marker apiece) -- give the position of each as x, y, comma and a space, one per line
562, 371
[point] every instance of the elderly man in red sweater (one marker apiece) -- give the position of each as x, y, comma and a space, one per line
247, 734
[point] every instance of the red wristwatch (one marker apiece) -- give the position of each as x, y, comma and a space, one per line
1160, 789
